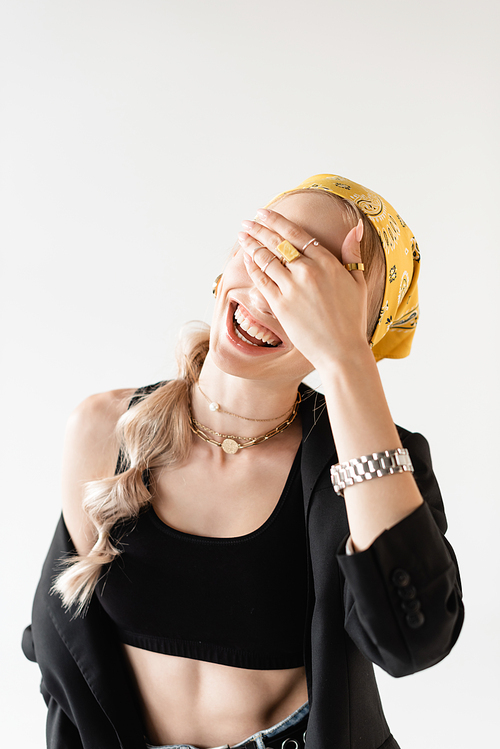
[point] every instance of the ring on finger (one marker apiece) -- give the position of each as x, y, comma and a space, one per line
288, 251
354, 266
312, 241
263, 269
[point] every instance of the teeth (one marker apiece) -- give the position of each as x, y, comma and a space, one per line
242, 338
253, 330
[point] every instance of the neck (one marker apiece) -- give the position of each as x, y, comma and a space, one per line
253, 399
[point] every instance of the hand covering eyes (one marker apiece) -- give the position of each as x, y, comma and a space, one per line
395, 329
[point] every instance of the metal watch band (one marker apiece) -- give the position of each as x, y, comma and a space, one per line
370, 467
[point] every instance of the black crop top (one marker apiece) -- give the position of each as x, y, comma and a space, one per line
235, 601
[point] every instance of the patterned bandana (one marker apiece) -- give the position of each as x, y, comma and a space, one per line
399, 314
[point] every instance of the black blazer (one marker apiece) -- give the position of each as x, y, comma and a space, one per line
360, 610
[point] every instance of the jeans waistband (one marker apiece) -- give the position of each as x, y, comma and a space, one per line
289, 733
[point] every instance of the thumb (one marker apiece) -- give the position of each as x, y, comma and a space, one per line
351, 250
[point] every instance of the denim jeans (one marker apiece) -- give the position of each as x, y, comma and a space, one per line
259, 738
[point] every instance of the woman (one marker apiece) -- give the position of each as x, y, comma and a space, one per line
223, 592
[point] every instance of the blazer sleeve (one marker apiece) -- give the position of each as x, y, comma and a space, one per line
85, 684
402, 595
61, 731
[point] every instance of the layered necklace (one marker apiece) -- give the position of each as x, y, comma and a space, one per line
231, 443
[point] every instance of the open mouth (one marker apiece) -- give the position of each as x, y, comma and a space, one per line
250, 331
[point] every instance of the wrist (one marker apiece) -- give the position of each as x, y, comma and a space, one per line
357, 407
357, 358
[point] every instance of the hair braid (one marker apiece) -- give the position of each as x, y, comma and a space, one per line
153, 432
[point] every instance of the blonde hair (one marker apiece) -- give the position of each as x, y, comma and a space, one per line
155, 432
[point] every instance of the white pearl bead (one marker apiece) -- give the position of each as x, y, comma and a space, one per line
214, 406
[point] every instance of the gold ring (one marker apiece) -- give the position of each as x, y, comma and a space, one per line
288, 251
354, 266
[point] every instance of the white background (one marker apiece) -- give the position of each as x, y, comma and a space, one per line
136, 135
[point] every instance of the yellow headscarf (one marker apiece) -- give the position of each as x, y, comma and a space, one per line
395, 329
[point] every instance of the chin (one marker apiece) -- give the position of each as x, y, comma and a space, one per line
275, 369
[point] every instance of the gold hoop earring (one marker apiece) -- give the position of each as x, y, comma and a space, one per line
216, 284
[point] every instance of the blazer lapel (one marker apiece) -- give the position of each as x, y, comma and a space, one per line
318, 447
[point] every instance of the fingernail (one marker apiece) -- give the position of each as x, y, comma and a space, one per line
247, 258
263, 213
359, 230
247, 224
242, 237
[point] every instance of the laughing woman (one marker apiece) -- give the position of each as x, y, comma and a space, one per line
238, 548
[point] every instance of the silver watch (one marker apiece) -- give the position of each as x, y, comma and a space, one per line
370, 467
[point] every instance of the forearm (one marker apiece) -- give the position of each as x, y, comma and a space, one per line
361, 424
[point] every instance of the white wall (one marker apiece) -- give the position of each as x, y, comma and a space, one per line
136, 134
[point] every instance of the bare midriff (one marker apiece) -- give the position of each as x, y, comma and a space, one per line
185, 701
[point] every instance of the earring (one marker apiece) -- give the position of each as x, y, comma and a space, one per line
216, 284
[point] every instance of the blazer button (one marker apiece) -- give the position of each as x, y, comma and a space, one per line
414, 621
407, 594
401, 578
411, 606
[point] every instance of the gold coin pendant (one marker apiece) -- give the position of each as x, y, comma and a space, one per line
230, 446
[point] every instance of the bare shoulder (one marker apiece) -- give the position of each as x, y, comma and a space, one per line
90, 453
93, 422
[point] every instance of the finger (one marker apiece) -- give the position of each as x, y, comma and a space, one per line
288, 230
262, 235
264, 267
351, 249
272, 239
261, 279
262, 256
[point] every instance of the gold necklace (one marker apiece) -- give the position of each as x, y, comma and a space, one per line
204, 428
214, 406
229, 444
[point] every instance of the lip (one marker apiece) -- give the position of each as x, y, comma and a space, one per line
247, 348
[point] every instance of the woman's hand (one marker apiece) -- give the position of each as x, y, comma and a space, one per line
321, 306
323, 309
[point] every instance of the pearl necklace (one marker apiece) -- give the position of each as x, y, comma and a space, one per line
229, 443
214, 406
